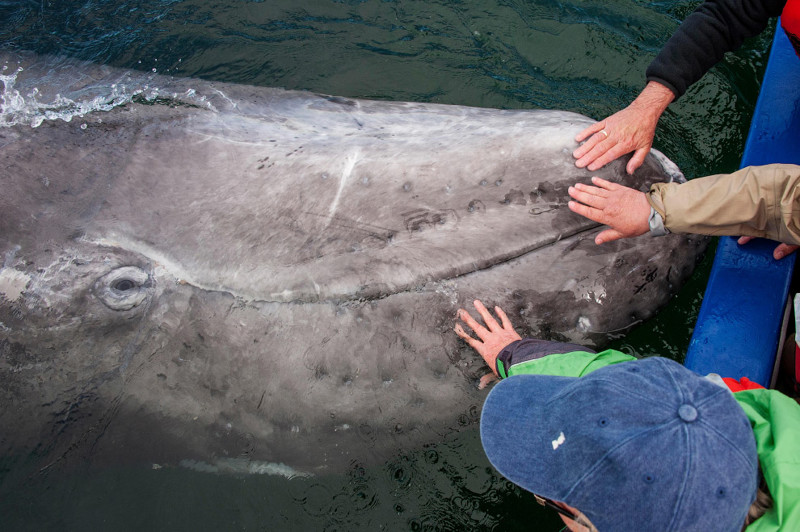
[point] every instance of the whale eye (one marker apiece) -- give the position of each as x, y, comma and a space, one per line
123, 288
123, 285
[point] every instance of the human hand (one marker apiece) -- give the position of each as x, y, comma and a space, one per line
486, 380
630, 130
493, 338
624, 209
781, 250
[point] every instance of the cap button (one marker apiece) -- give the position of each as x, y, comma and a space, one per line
687, 413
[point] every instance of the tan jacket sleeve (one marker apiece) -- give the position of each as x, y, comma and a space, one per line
762, 201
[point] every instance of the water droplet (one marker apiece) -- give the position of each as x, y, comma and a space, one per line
84, 126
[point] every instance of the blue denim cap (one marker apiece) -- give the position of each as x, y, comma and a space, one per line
641, 445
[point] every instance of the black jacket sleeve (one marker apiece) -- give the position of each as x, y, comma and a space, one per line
529, 349
714, 28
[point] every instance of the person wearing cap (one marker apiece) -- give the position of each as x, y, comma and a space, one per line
756, 201
620, 444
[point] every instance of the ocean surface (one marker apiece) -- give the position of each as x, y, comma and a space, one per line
584, 56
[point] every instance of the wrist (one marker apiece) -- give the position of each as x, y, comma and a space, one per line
654, 98
657, 227
641, 211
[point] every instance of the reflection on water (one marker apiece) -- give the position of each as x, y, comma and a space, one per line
581, 56
447, 486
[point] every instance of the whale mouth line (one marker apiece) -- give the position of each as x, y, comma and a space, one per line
183, 276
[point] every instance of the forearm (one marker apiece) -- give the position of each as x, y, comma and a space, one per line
760, 201
652, 101
542, 357
531, 349
701, 41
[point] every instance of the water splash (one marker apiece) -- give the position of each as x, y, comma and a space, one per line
32, 98
32, 108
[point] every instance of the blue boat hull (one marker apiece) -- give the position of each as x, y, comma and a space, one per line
738, 328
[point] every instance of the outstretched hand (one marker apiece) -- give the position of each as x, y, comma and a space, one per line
781, 250
624, 209
493, 338
630, 130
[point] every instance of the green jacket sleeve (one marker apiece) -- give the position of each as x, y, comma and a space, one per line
573, 364
761, 201
776, 425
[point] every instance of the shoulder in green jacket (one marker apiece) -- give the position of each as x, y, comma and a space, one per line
775, 419
776, 424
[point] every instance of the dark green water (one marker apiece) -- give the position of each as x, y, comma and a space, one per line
584, 56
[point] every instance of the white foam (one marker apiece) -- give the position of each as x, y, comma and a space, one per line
31, 108
243, 466
32, 102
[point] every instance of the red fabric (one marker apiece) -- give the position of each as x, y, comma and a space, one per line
796, 366
742, 384
790, 20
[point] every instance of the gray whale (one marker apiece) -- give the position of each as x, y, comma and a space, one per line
204, 271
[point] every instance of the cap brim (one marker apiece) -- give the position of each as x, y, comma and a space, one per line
519, 436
